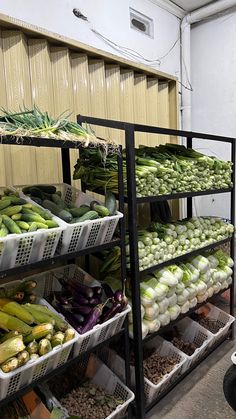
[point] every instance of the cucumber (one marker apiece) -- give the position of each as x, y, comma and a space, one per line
23, 225
11, 210
41, 225
44, 213
33, 227
11, 225
37, 200
58, 201
5, 203
4, 231
0, 221
50, 189
51, 223
16, 200
27, 210
35, 191
90, 215
63, 214
101, 210
78, 212
16, 217
110, 202
32, 217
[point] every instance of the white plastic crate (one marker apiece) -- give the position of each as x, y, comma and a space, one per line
192, 332
90, 233
100, 375
22, 249
223, 321
13, 381
48, 282
152, 391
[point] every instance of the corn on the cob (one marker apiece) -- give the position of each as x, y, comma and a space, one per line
23, 357
69, 334
8, 322
44, 347
60, 324
18, 311
32, 347
39, 316
57, 339
11, 347
38, 332
8, 336
10, 365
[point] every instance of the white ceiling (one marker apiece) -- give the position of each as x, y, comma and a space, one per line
190, 5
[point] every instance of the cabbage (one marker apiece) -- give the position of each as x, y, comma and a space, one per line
193, 302
229, 280
151, 312
185, 307
148, 295
195, 273
224, 285
201, 263
216, 287
172, 300
171, 292
163, 305
152, 325
187, 276
213, 261
130, 314
182, 298
161, 291
145, 330
174, 311
202, 297
166, 277
176, 271
201, 286
164, 318
180, 287
227, 270
210, 292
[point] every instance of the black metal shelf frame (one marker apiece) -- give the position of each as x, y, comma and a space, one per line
66, 170
130, 129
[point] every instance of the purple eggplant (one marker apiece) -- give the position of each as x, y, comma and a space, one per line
92, 319
108, 291
74, 320
78, 318
97, 291
80, 299
118, 296
77, 308
113, 310
95, 301
86, 291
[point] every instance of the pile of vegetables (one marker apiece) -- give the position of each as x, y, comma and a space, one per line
184, 345
160, 170
51, 199
156, 366
28, 330
203, 317
176, 289
169, 240
86, 306
19, 216
35, 123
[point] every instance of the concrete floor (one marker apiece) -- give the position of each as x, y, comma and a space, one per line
200, 394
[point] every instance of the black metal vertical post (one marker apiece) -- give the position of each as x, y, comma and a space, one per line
65, 159
134, 271
123, 258
189, 200
232, 244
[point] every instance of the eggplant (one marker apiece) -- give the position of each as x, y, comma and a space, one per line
118, 296
108, 291
113, 310
78, 317
97, 291
92, 319
80, 299
68, 315
76, 308
94, 301
86, 291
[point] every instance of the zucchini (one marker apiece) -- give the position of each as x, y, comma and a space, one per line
101, 210
11, 225
11, 210
90, 215
110, 202
3, 231
63, 214
78, 212
58, 201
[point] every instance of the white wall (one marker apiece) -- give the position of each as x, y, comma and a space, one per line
213, 64
109, 17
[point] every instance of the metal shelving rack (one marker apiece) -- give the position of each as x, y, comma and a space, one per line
65, 147
132, 200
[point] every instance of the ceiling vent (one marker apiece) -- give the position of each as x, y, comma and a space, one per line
141, 23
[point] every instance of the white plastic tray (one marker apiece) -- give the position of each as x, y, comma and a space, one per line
21, 249
90, 233
48, 281
102, 377
13, 381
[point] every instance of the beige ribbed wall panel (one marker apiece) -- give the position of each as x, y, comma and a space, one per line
48, 160
127, 95
152, 109
20, 161
112, 73
163, 107
173, 106
62, 87
98, 93
3, 103
81, 87
140, 106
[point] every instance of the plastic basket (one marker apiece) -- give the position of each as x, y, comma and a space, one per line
48, 282
100, 375
13, 381
222, 319
90, 233
21, 249
152, 391
192, 332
